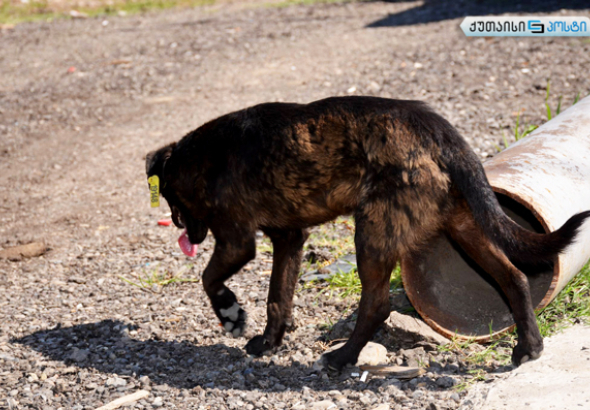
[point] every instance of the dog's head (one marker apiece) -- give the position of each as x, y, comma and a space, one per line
161, 163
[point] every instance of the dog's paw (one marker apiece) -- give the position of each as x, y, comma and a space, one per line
258, 345
231, 314
522, 354
234, 320
335, 361
290, 326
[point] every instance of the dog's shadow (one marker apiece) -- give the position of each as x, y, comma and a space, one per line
111, 347
108, 347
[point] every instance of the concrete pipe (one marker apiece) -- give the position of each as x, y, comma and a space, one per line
540, 181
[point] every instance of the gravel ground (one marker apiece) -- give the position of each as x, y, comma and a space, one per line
82, 101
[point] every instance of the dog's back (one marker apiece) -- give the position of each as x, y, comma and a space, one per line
286, 165
290, 165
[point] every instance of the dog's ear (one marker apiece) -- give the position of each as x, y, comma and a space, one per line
155, 160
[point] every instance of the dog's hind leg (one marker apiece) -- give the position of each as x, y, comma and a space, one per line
376, 258
287, 253
512, 281
231, 253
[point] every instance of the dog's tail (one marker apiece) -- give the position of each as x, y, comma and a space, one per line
524, 248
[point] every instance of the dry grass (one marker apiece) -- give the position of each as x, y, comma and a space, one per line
17, 11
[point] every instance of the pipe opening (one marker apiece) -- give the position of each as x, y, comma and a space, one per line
539, 280
448, 288
520, 213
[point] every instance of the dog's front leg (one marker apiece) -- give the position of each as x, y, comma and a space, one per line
228, 258
287, 249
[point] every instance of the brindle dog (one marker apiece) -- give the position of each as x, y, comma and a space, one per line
401, 170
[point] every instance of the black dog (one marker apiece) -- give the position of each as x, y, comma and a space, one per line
401, 170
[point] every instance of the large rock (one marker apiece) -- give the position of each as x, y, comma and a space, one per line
373, 354
408, 329
401, 329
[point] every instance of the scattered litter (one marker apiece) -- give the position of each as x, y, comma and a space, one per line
118, 62
354, 374
364, 376
165, 222
125, 400
71, 70
399, 372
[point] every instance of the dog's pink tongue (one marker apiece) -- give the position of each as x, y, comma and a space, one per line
185, 244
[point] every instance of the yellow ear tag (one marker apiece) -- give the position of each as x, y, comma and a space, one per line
154, 182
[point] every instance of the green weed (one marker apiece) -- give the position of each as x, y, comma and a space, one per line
526, 130
522, 131
456, 344
576, 98
559, 99
264, 246
346, 284
328, 325
499, 350
288, 3
571, 306
154, 278
547, 107
13, 12
518, 131
32, 11
477, 375
336, 236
